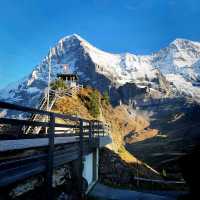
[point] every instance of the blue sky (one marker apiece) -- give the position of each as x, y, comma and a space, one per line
29, 27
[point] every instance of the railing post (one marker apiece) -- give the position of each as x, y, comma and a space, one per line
51, 132
93, 131
90, 132
98, 128
81, 157
103, 129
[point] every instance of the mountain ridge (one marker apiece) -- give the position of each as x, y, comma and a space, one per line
176, 67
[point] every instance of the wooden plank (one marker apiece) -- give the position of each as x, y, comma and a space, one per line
33, 123
18, 122
7, 145
21, 172
10, 106
49, 175
25, 170
5, 105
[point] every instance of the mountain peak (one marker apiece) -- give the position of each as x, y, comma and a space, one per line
72, 37
67, 43
181, 40
100, 68
184, 43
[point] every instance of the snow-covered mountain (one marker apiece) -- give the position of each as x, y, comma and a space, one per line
180, 63
174, 69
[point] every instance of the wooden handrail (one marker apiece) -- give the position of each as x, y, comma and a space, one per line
96, 125
87, 130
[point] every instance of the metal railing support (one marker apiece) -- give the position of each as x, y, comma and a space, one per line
51, 131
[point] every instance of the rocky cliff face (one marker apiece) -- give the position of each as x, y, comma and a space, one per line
171, 71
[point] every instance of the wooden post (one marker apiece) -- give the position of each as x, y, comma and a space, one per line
51, 132
90, 132
81, 159
98, 128
103, 125
93, 133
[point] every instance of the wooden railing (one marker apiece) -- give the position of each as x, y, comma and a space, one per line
84, 130
34, 117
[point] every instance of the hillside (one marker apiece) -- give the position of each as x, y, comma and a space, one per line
115, 160
178, 134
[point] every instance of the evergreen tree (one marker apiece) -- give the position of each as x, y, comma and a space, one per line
94, 104
106, 97
58, 84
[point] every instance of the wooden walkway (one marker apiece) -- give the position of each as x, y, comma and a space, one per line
86, 136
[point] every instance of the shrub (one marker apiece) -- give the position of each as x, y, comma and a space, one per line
106, 97
58, 84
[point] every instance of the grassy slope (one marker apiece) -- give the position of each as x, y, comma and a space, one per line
149, 142
121, 124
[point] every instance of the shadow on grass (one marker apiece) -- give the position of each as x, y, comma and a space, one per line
117, 173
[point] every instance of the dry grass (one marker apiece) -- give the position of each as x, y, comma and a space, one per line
120, 120
142, 135
122, 123
72, 106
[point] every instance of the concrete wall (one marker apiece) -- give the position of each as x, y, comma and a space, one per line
88, 168
90, 171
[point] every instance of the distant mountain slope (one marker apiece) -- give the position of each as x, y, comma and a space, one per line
171, 71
